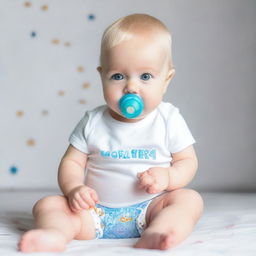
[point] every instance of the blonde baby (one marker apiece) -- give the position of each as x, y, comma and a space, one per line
125, 171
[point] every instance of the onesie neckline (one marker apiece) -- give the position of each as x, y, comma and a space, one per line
146, 119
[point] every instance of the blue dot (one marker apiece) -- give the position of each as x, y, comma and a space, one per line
91, 17
33, 34
13, 170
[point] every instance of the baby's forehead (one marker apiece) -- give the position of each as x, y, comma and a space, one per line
154, 36
136, 57
150, 47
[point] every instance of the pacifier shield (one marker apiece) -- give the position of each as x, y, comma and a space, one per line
131, 105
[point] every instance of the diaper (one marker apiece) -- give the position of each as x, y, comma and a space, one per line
124, 222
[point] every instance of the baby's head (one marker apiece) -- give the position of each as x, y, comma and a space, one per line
135, 25
135, 60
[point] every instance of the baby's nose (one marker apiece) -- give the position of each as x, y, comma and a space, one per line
131, 87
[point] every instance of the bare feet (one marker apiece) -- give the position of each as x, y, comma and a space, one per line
156, 240
42, 240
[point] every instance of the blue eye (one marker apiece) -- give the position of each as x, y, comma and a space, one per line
117, 76
145, 76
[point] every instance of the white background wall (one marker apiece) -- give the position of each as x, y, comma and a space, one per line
49, 50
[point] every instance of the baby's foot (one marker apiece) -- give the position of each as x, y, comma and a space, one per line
42, 240
155, 240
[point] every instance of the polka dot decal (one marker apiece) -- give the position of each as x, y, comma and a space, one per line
55, 41
33, 34
44, 7
27, 4
91, 17
80, 69
19, 113
86, 85
13, 170
61, 93
31, 142
82, 101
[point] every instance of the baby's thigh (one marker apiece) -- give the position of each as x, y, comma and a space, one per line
82, 221
154, 208
187, 199
184, 200
87, 230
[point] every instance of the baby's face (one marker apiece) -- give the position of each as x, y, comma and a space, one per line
136, 66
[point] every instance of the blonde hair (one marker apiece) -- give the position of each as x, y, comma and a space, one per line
127, 27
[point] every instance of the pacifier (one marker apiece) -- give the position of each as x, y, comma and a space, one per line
131, 105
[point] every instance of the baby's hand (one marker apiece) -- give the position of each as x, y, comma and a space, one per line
82, 198
154, 180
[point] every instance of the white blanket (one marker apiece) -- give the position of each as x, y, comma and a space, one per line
227, 227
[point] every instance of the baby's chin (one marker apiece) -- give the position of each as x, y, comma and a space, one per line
119, 117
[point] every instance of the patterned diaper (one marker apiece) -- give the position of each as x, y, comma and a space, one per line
124, 222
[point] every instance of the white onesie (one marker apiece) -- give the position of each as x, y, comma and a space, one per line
117, 151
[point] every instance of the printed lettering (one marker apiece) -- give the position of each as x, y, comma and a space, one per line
128, 154
134, 153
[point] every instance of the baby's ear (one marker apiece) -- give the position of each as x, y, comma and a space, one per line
99, 69
169, 77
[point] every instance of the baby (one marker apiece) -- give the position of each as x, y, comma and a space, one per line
137, 152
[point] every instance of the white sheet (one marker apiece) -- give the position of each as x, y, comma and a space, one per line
228, 227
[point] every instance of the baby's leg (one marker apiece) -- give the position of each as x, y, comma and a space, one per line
171, 218
56, 225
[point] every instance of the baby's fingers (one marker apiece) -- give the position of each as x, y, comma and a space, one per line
74, 205
94, 196
83, 204
152, 189
86, 196
146, 180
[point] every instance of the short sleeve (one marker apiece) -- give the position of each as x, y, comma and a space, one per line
78, 137
180, 136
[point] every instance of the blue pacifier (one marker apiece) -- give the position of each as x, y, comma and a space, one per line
131, 105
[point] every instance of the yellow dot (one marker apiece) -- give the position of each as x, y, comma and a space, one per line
82, 101
31, 142
86, 85
27, 4
55, 41
80, 69
19, 113
67, 44
44, 7
61, 93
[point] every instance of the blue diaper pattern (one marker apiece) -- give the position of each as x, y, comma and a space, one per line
124, 222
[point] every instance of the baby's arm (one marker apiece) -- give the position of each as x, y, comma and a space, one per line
179, 174
71, 180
